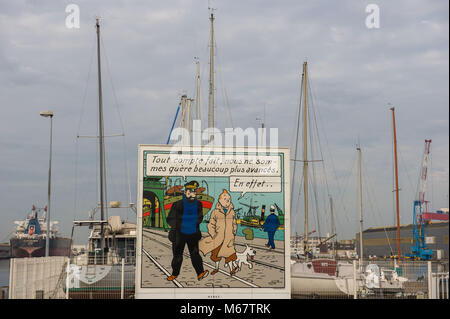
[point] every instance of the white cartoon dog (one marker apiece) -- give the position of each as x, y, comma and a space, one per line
243, 257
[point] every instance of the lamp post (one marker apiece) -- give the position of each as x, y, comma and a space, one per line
47, 217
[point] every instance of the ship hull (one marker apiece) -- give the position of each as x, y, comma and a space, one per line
320, 280
28, 247
100, 281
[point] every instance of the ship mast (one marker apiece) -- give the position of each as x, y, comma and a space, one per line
197, 99
211, 79
101, 139
358, 148
189, 115
305, 158
333, 228
183, 115
396, 184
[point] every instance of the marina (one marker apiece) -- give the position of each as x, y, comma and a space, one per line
224, 214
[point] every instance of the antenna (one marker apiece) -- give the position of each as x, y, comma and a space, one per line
210, 8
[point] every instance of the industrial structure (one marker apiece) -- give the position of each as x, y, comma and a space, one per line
380, 242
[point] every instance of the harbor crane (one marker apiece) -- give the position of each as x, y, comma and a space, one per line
419, 250
251, 209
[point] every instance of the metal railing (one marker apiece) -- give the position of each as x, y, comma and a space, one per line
78, 278
439, 285
370, 279
100, 281
36, 278
99, 275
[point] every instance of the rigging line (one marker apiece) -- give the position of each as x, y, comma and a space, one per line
204, 69
96, 166
108, 68
299, 113
295, 198
313, 108
107, 175
377, 210
313, 185
329, 151
301, 186
127, 169
405, 170
83, 103
7, 236
316, 122
228, 106
105, 188
323, 162
112, 85
344, 189
75, 180
224, 89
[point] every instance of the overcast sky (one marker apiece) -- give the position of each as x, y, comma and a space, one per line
148, 63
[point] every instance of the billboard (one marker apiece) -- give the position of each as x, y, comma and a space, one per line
213, 222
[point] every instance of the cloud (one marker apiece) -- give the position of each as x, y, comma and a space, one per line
147, 59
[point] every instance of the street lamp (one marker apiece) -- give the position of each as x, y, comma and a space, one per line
47, 240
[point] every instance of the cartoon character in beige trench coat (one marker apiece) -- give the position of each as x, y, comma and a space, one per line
222, 228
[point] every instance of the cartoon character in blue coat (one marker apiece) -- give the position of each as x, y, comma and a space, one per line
270, 226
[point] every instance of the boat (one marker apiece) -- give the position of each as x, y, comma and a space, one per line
372, 279
107, 268
30, 236
322, 278
95, 274
310, 275
251, 219
329, 277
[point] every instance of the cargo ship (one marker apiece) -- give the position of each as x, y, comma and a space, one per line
250, 219
30, 237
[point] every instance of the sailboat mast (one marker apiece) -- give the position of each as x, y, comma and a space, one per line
211, 78
396, 184
360, 205
305, 157
333, 227
189, 115
101, 137
197, 99
183, 115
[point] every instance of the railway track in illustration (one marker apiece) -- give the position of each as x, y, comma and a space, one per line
151, 235
258, 262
